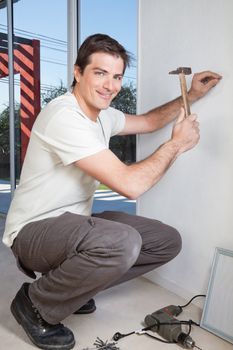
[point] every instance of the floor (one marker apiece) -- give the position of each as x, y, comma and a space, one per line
122, 308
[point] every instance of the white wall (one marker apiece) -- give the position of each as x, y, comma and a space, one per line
196, 195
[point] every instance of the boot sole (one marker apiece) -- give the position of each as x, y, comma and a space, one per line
18, 318
85, 312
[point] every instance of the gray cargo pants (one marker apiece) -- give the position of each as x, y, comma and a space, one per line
79, 256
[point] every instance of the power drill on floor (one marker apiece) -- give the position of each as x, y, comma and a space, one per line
168, 327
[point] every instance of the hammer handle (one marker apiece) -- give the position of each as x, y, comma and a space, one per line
184, 93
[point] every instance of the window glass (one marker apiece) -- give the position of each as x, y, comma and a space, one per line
4, 115
40, 56
119, 20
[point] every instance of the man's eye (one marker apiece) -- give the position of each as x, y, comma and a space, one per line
118, 77
101, 74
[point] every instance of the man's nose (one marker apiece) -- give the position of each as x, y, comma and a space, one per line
108, 84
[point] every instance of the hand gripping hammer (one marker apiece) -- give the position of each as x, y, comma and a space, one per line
182, 71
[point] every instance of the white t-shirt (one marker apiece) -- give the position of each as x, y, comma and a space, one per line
50, 184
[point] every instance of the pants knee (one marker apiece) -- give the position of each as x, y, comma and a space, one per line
122, 246
129, 247
162, 246
112, 245
175, 242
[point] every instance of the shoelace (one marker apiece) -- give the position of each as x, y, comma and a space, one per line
43, 324
41, 321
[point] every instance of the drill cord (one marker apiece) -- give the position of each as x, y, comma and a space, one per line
159, 339
196, 296
119, 335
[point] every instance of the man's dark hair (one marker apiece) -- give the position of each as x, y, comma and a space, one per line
100, 43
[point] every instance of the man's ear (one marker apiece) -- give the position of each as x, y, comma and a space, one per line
77, 73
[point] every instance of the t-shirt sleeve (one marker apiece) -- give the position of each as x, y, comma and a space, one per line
71, 138
117, 119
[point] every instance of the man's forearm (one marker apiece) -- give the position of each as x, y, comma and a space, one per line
201, 84
146, 173
162, 115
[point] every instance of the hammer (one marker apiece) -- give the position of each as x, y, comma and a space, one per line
182, 71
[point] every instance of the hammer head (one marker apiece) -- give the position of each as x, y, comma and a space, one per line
182, 70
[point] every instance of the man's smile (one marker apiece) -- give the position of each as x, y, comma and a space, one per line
104, 95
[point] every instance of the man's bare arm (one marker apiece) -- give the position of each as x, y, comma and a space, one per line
160, 116
133, 180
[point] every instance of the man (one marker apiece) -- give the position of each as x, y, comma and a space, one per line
49, 225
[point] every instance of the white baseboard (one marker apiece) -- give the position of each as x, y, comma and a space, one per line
179, 290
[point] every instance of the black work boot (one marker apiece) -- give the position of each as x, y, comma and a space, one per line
88, 308
42, 334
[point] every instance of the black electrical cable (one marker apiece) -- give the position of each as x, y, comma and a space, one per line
196, 296
119, 335
190, 328
159, 339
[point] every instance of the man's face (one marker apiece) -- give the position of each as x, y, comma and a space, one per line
99, 83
